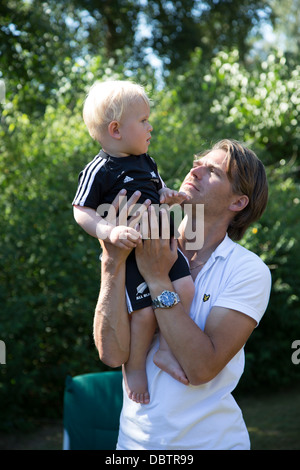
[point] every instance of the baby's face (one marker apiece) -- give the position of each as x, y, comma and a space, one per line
135, 128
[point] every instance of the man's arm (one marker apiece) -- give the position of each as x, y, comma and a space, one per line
111, 320
201, 354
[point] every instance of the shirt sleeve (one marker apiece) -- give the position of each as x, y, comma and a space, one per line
161, 184
248, 289
90, 187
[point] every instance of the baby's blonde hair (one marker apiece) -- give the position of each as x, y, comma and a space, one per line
107, 101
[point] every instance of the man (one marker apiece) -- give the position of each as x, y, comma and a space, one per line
232, 288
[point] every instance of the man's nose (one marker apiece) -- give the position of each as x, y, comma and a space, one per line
197, 171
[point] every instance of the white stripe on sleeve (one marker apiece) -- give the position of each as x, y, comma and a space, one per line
86, 180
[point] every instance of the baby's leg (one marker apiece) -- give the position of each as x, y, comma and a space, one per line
164, 357
143, 325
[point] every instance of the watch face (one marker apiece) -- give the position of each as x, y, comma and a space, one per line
167, 299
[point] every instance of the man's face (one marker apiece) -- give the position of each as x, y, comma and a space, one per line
207, 183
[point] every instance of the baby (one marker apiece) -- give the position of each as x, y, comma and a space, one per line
116, 114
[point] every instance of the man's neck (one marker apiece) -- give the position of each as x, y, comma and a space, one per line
213, 236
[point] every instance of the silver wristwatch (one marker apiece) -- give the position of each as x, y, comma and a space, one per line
166, 299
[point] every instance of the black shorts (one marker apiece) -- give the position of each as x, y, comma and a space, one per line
137, 292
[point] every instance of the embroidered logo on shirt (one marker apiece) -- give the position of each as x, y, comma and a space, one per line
206, 297
140, 291
154, 177
127, 179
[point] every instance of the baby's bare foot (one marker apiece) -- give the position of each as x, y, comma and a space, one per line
165, 360
136, 385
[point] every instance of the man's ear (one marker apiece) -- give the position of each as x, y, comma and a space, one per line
114, 130
239, 203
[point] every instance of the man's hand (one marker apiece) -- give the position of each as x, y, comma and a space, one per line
126, 210
123, 238
156, 256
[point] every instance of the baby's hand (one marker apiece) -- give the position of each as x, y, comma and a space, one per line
170, 196
124, 237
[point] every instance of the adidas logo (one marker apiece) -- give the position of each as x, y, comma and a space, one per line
127, 179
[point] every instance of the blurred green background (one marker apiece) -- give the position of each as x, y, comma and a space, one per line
213, 69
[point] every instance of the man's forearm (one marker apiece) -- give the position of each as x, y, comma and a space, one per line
183, 336
201, 353
111, 321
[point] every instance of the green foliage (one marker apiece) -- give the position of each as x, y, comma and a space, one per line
276, 239
40, 41
178, 27
49, 268
34, 42
260, 107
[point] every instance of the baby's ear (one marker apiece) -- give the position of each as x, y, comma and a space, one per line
114, 130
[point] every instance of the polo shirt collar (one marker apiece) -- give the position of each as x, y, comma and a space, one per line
226, 246
222, 251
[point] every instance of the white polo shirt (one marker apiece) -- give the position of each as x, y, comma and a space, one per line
181, 417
